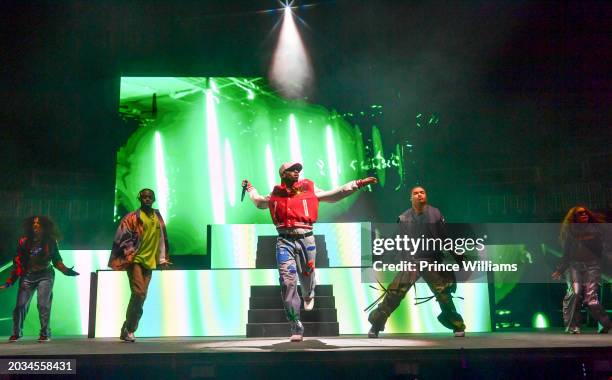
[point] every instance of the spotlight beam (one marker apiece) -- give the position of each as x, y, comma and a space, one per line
291, 70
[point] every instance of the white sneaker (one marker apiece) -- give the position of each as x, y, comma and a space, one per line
308, 303
297, 332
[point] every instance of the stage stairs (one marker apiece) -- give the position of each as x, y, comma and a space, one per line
267, 316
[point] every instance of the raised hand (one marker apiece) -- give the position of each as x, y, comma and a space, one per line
366, 181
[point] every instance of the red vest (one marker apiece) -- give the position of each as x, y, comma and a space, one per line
295, 207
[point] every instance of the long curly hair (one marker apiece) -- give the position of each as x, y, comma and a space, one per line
571, 218
50, 231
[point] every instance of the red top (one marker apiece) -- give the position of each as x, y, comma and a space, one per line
295, 207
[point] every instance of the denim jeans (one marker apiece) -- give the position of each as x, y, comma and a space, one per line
296, 260
42, 282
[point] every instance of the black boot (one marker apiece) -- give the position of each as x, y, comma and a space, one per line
377, 318
450, 319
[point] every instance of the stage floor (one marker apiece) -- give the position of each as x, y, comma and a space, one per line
28, 346
501, 355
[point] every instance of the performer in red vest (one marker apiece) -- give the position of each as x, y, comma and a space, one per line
294, 206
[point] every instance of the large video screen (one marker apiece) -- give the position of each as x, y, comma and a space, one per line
198, 137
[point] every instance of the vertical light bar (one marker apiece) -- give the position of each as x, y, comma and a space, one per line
229, 173
294, 142
213, 85
115, 216
331, 157
399, 151
215, 171
270, 169
378, 156
161, 193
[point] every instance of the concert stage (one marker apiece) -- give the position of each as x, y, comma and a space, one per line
507, 355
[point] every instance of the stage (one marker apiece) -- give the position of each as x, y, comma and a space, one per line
530, 354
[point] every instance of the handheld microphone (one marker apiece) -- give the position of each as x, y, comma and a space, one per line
244, 189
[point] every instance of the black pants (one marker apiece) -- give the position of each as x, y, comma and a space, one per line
442, 284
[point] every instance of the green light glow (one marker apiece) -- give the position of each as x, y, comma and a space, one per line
400, 166
270, 168
209, 141
379, 156
6, 266
294, 143
331, 156
359, 160
70, 310
115, 216
161, 193
229, 172
213, 85
540, 321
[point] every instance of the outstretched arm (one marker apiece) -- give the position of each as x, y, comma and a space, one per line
343, 191
258, 200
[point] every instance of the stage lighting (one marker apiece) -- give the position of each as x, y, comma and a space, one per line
291, 71
540, 321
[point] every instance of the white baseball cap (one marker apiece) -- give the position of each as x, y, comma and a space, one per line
289, 165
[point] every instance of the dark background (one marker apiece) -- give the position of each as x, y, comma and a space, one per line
521, 89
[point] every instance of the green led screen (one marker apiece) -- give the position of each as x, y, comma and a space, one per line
235, 246
216, 303
70, 309
197, 138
